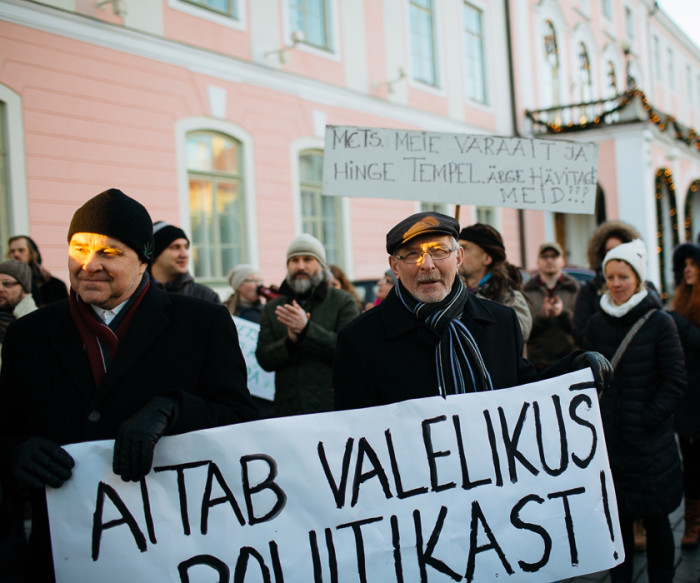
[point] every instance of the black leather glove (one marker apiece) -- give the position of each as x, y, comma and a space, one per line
599, 365
39, 462
138, 435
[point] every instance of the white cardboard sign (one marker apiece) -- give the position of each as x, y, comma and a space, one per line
525, 173
261, 383
505, 485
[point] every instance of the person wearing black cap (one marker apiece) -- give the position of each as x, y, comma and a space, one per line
430, 336
171, 257
15, 293
487, 273
105, 366
45, 287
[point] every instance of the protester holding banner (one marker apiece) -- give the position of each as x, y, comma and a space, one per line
119, 359
488, 274
686, 314
298, 331
430, 336
642, 343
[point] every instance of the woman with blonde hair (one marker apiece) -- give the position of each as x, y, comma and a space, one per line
686, 314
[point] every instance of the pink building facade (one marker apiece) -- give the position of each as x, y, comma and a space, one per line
212, 113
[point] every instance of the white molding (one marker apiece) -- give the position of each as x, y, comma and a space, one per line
77, 27
16, 161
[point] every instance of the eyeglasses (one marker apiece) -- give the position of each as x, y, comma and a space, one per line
437, 253
7, 283
258, 281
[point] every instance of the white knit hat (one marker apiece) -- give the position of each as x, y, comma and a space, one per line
306, 244
634, 253
238, 275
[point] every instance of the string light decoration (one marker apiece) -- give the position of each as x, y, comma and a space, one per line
664, 180
664, 122
688, 210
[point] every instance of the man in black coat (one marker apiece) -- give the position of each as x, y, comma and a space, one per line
120, 359
429, 336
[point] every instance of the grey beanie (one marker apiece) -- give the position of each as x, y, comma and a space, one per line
238, 275
306, 244
20, 271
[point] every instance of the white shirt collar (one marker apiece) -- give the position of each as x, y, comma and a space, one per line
108, 315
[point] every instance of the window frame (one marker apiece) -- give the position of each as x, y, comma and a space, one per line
480, 69
193, 8
435, 84
328, 28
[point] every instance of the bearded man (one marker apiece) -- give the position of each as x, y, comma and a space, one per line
298, 331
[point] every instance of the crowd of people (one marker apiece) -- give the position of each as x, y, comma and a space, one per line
135, 349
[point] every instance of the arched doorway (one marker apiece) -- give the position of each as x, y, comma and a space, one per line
666, 227
691, 209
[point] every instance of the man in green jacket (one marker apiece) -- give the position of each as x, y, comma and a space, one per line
298, 331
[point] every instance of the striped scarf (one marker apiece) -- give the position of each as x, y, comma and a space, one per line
459, 364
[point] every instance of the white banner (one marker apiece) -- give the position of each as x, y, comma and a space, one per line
260, 382
505, 485
538, 174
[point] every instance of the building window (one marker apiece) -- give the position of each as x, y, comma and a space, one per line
689, 84
434, 207
311, 18
657, 57
423, 42
612, 79
226, 7
629, 22
486, 215
606, 8
474, 53
217, 204
671, 74
321, 215
551, 53
585, 78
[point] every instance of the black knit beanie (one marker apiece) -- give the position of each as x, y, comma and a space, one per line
486, 237
163, 235
683, 251
114, 214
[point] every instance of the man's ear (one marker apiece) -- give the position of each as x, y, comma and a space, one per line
460, 256
488, 260
393, 264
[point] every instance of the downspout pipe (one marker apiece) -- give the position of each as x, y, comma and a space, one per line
514, 120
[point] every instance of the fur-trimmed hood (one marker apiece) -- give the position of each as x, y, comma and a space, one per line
596, 244
680, 254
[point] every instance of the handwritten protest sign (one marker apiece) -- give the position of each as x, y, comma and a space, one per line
260, 382
504, 485
539, 174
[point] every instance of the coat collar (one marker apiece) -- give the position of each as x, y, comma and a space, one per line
398, 320
148, 322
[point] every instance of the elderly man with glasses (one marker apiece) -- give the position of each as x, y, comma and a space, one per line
430, 336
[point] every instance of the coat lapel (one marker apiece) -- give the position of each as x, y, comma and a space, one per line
147, 324
68, 348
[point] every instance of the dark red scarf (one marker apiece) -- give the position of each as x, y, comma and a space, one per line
94, 333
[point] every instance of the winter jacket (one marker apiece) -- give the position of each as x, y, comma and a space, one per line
303, 369
687, 416
185, 285
25, 306
386, 355
516, 300
638, 409
550, 338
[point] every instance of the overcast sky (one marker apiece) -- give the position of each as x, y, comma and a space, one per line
686, 14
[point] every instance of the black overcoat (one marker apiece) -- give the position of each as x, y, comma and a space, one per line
175, 345
386, 355
687, 416
637, 410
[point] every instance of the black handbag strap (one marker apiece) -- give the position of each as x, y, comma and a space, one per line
629, 336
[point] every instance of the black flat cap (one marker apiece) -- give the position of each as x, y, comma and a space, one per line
420, 224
